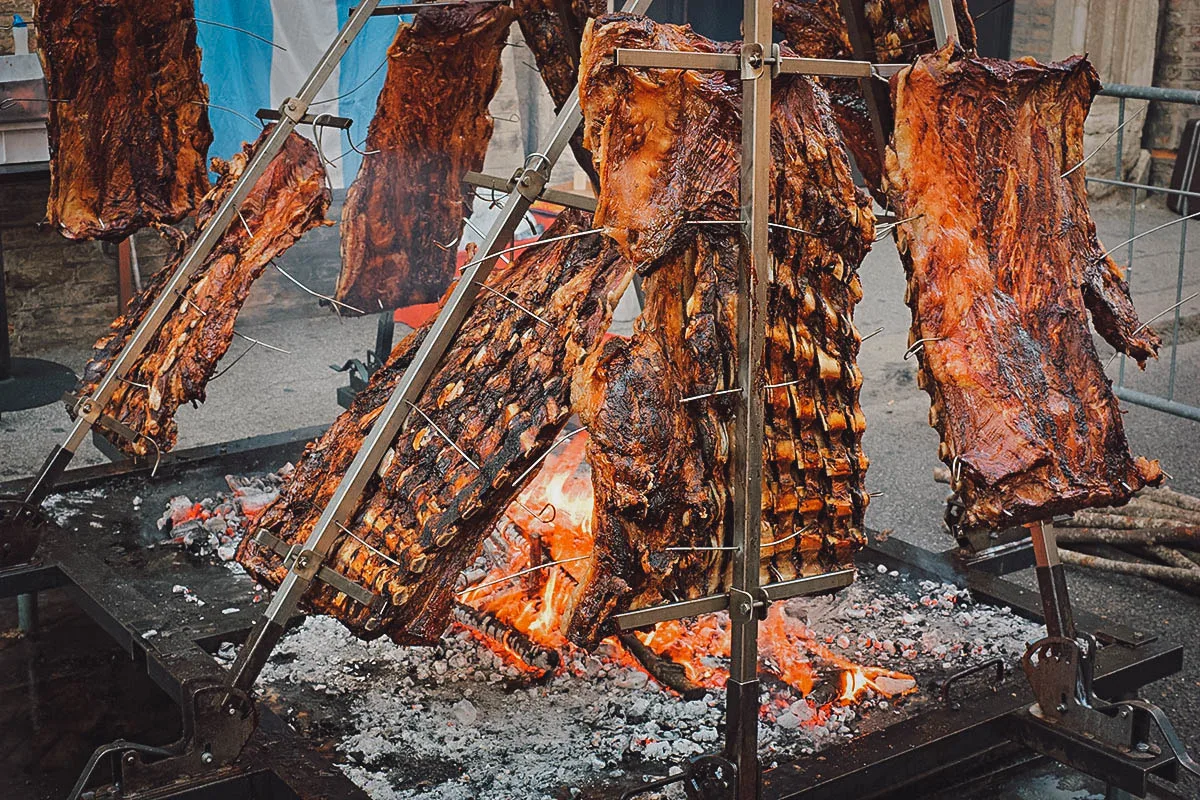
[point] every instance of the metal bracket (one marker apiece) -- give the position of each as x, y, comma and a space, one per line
308, 565
294, 109
218, 721
707, 777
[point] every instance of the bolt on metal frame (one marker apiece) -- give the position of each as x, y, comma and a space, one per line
758, 61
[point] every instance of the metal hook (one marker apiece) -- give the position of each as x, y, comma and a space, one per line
919, 344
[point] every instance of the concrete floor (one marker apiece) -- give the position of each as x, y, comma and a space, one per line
270, 392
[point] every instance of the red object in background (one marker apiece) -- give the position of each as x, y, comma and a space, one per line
416, 316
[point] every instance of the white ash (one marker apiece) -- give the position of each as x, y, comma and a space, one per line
64, 509
214, 526
455, 722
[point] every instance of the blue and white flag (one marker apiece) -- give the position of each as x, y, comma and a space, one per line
245, 74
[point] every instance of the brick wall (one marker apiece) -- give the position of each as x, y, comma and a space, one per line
64, 294
1033, 28
7, 9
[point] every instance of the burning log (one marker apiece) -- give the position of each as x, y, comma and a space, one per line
539, 658
664, 670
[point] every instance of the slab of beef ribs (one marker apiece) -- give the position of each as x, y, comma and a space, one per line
404, 212
668, 147
898, 30
290, 198
1003, 265
128, 127
500, 395
553, 30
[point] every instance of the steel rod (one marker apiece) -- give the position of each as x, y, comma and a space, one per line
292, 110
266, 632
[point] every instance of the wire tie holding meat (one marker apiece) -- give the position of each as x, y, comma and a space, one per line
334, 302
886, 229
535, 243
522, 573
251, 34
514, 303
787, 539
444, 435
157, 453
709, 548
792, 228
478, 232
179, 293
145, 386
714, 222
1155, 229
1098, 147
368, 545
258, 125
875, 332
450, 246
919, 345
514, 117
1146, 324
695, 397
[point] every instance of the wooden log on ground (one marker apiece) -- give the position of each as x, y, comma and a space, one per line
1126, 537
1173, 498
1189, 577
1120, 522
1169, 556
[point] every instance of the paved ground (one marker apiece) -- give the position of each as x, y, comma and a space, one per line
268, 392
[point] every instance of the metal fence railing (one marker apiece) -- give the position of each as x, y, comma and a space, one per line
1164, 400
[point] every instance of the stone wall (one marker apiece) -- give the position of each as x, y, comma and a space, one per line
1033, 28
1177, 66
7, 9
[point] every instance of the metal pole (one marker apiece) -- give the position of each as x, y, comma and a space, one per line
742, 690
945, 27
270, 627
292, 110
1052, 582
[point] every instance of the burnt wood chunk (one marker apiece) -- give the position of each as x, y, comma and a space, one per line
668, 149
290, 198
128, 128
1003, 264
501, 394
404, 212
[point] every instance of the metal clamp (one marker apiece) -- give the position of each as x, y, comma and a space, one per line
294, 109
308, 565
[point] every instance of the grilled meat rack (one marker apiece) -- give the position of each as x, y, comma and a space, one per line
220, 716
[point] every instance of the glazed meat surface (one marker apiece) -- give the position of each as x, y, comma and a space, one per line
404, 212
290, 198
500, 394
898, 30
128, 127
1003, 263
553, 30
667, 144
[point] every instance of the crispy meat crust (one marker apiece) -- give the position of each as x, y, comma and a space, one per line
290, 198
501, 393
129, 132
1003, 261
667, 146
405, 210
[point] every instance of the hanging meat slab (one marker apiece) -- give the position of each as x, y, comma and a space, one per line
1003, 264
897, 30
128, 128
290, 198
494, 406
553, 30
404, 212
667, 145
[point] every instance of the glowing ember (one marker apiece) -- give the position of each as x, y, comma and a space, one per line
545, 543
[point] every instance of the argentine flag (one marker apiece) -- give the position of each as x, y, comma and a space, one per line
245, 74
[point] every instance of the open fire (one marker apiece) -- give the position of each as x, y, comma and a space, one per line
536, 556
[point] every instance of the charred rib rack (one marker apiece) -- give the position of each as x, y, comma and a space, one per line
289, 199
553, 30
494, 406
1002, 259
899, 30
667, 147
404, 212
128, 127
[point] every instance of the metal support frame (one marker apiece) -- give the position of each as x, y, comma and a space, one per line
328, 528
292, 112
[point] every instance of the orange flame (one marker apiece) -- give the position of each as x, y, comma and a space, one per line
552, 522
